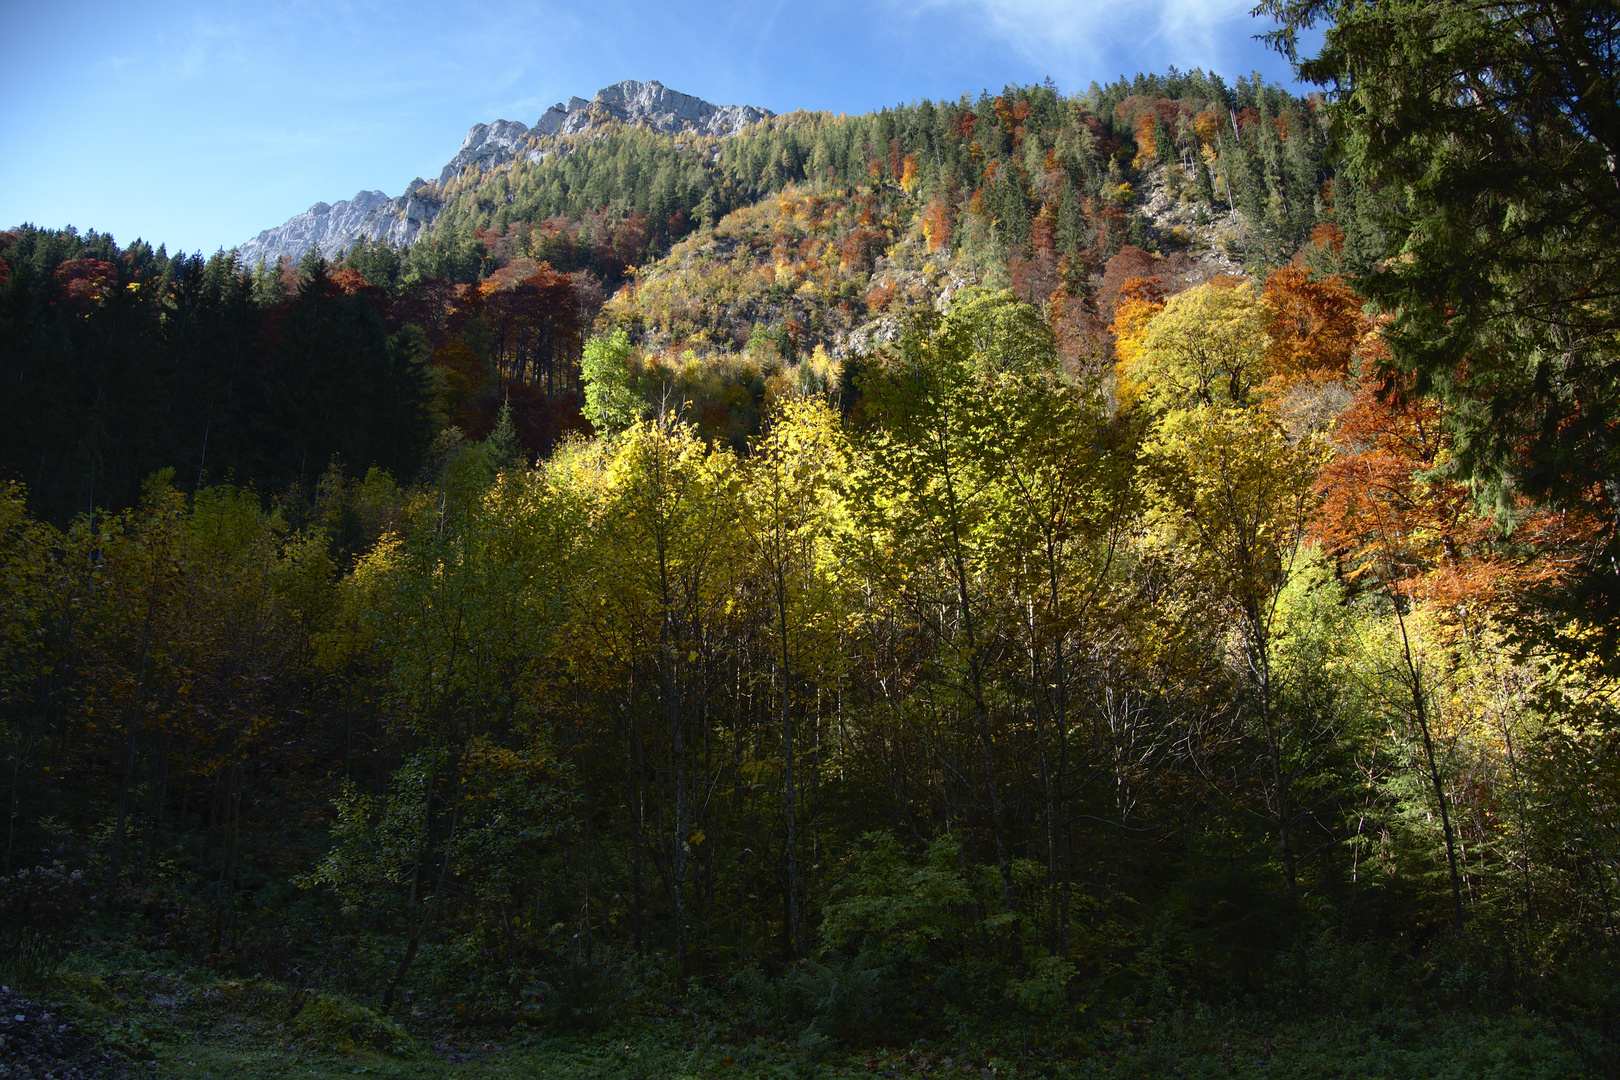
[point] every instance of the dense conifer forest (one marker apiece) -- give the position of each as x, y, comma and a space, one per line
1109, 585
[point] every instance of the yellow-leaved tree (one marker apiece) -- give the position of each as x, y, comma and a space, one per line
1229, 498
668, 553
791, 507
929, 499
1207, 346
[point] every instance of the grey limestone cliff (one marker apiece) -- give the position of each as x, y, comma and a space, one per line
487, 146
334, 228
648, 104
372, 215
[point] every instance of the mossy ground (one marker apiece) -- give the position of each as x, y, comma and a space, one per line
192, 1027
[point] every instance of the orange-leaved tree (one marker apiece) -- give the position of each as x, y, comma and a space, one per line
1315, 323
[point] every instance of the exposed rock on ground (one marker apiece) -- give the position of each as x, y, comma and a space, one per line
488, 146
1211, 235
38, 1043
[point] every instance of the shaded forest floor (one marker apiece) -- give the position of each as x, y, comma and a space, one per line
195, 1025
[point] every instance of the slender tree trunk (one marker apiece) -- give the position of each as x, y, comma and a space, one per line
706, 852
588, 838
1518, 800
1260, 659
225, 888
1044, 767
678, 852
129, 750
795, 927
211, 815
1050, 821
669, 664
114, 857
1421, 713
1439, 789
1060, 782
421, 910
637, 796
160, 790
976, 681
12, 804
669, 675
1280, 788
789, 794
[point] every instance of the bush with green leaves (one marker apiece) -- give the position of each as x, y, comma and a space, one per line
918, 910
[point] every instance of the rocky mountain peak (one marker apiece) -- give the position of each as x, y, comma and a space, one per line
487, 146
372, 215
648, 104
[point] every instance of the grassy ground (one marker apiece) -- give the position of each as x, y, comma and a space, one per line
197, 1027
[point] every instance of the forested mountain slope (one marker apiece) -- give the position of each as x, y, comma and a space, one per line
372, 216
1062, 200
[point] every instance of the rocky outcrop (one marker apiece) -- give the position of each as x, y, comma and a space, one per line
333, 229
372, 215
488, 146
1209, 234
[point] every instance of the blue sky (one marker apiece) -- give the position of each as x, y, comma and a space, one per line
197, 124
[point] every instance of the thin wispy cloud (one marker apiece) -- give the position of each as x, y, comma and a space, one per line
1075, 39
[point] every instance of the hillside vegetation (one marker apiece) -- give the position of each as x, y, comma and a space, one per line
1013, 586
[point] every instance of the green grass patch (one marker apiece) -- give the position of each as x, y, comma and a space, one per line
198, 1028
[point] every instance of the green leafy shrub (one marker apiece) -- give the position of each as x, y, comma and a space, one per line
890, 906
1046, 991
329, 1022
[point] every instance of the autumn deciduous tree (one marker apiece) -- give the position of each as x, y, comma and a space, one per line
1406, 534
1207, 346
1232, 497
670, 514
1064, 507
35, 610
791, 508
936, 223
928, 491
534, 314
1139, 301
448, 624
1314, 323
1384, 516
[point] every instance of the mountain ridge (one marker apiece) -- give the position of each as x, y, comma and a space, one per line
373, 215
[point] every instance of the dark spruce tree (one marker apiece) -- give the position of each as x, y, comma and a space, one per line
122, 362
